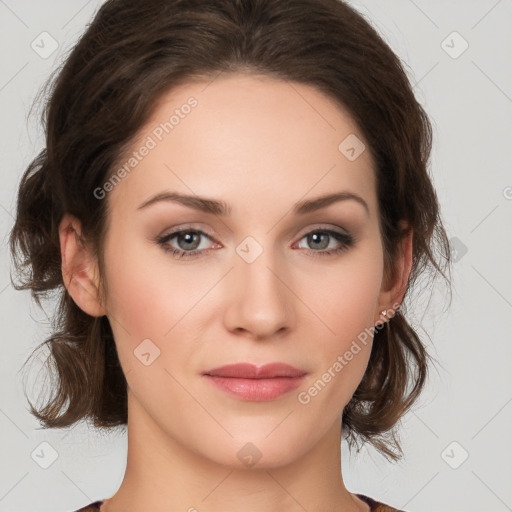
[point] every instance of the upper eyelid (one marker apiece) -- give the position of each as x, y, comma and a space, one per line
186, 229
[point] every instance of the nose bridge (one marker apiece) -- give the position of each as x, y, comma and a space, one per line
259, 302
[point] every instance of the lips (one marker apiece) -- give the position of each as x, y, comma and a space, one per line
250, 371
248, 382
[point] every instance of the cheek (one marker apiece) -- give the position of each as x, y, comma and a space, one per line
344, 304
150, 296
136, 295
139, 301
345, 296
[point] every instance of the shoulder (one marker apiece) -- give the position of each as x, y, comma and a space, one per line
93, 507
377, 506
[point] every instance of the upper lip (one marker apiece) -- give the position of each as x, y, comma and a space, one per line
251, 371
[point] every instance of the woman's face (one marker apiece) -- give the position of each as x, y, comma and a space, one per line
263, 285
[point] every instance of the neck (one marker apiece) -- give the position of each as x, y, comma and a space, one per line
164, 475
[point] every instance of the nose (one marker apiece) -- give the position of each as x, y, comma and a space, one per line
260, 302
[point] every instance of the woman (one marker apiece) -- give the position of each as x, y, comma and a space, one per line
197, 152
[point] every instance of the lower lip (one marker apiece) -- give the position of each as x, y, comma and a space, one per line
256, 390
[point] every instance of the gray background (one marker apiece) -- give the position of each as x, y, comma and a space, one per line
457, 439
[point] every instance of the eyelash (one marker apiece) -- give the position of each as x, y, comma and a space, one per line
346, 240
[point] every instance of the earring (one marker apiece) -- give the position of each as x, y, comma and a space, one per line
383, 313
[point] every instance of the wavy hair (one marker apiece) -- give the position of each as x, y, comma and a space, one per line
131, 54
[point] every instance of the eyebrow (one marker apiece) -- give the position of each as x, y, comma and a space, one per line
222, 209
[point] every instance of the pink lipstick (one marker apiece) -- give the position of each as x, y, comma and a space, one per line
249, 382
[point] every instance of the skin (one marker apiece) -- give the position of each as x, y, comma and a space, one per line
260, 145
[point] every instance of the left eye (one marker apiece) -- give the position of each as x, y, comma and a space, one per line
189, 240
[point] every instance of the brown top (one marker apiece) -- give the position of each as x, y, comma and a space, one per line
375, 506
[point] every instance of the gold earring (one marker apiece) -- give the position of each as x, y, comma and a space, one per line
383, 313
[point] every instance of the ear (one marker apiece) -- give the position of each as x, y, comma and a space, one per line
393, 291
79, 267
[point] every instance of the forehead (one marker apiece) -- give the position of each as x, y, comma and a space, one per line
247, 139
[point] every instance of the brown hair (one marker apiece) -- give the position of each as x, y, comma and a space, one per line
131, 54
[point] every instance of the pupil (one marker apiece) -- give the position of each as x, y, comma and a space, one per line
188, 239
315, 237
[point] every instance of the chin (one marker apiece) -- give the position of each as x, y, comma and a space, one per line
257, 451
